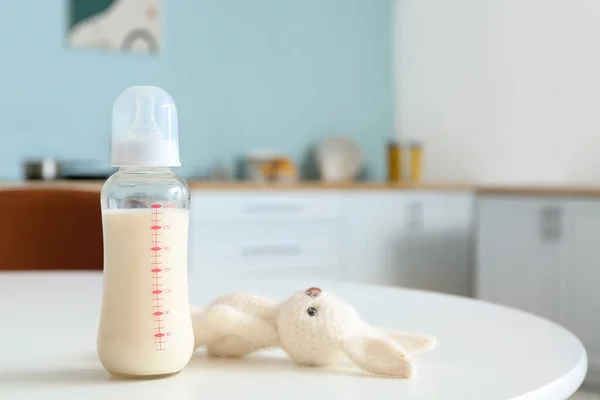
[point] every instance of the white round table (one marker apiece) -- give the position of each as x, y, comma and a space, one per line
48, 336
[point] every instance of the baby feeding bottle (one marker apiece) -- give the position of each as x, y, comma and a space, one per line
145, 327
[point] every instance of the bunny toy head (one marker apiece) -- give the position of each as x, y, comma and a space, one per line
312, 326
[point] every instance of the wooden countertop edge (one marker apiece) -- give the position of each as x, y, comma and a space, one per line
504, 190
329, 186
539, 191
241, 185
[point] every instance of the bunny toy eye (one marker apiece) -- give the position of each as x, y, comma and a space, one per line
311, 311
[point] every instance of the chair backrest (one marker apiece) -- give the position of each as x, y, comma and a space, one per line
50, 229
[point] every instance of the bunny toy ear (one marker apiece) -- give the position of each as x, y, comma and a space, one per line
411, 342
378, 355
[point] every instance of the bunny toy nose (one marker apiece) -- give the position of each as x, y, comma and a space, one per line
313, 292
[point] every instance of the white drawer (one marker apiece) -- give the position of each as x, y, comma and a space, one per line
329, 272
264, 229
238, 205
279, 253
248, 246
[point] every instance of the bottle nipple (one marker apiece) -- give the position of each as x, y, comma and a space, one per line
145, 116
144, 128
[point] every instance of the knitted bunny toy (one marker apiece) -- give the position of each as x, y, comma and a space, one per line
313, 327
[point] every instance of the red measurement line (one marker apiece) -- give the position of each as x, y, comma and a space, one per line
156, 269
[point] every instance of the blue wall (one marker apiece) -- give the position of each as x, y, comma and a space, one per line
246, 74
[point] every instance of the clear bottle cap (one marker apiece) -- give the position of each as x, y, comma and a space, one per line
144, 129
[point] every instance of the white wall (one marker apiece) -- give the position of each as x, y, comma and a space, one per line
501, 91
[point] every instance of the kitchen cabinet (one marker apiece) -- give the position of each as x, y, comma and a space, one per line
579, 294
375, 227
437, 252
541, 255
258, 234
521, 245
420, 240
416, 239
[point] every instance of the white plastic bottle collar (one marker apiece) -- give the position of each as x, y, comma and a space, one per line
144, 129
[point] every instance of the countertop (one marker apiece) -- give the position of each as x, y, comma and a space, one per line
481, 189
486, 351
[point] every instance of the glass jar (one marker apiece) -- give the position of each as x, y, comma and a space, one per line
416, 162
394, 156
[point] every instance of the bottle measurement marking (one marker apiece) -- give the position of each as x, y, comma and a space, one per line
156, 269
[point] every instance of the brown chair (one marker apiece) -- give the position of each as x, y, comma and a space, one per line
50, 229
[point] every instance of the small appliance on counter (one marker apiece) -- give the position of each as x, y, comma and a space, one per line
50, 169
338, 159
266, 166
41, 169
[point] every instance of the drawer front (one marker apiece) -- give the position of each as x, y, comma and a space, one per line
328, 272
280, 253
250, 246
272, 205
